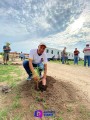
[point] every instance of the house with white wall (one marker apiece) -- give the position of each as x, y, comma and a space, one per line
57, 53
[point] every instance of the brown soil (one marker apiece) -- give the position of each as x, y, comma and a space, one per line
68, 94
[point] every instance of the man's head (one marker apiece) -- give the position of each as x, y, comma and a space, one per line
41, 48
7, 44
87, 45
75, 48
64, 48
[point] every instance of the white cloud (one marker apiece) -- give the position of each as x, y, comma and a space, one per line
12, 29
47, 14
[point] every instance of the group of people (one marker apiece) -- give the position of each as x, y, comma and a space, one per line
64, 56
38, 58
37, 54
76, 52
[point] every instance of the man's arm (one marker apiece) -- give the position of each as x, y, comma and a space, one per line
83, 50
45, 66
31, 66
4, 48
44, 75
9, 48
45, 71
32, 69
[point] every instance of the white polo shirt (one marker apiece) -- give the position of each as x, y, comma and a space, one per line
86, 51
36, 58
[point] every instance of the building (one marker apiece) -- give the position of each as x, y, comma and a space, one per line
57, 53
14, 55
49, 51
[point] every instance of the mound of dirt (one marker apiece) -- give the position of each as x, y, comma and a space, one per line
58, 94
60, 97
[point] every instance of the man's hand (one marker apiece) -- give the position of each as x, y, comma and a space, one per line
43, 81
35, 78
44, 76
42, 87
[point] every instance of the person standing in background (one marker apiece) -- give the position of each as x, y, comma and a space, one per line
63, 54
66, 58
6, 50
86, 52
76, 53
58, 57
22, 56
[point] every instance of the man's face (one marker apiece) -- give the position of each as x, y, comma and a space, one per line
87, 45
41, 49
8, 44
64, 48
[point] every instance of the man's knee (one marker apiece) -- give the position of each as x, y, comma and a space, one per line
41, 66
25, 63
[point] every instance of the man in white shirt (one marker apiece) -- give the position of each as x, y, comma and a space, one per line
37, 58
86, 52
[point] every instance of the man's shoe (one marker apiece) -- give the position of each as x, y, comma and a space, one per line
29, 78
5, 64
41, 76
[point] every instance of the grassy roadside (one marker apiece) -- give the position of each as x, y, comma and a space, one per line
80, 63
10, 74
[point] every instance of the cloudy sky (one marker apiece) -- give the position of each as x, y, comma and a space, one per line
58, 23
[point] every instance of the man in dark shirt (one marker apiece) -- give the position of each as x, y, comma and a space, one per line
76, 53
6, 50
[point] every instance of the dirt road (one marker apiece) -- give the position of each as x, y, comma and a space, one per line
78, 76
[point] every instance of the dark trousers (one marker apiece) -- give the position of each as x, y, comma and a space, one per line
27, 68
75, 59
86, 60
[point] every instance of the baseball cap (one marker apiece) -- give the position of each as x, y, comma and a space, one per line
7, 43
87, 44
42, 44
